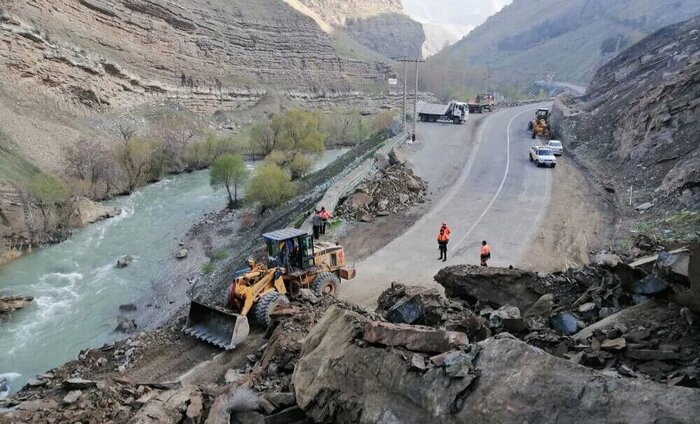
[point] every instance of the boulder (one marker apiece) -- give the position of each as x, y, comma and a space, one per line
339, 380
72, 397
336, 380
182, 254
381, 161
508, 317
358, 201
403, 304
127, 307
412, 337
124, 261
396, 157
498, 286
12, 303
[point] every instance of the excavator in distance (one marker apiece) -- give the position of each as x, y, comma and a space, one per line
294, 262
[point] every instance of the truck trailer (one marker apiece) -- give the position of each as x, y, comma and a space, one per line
455, 112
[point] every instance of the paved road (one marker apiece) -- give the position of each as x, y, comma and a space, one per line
484, 188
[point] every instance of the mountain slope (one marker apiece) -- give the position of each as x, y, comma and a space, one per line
67, 65
530, 39
379, 25
639, 123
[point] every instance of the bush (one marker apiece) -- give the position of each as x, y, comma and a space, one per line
229, 171
218, 255
208, 267
270, 186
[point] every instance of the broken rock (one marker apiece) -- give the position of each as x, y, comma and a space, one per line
416, 338
500, 286
517, 383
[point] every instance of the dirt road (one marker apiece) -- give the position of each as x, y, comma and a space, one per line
483, 186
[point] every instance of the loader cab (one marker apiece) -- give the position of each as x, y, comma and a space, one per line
290, 248
542, 114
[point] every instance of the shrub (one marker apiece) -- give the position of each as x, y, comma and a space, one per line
270, 186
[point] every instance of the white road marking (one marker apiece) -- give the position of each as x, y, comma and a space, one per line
503, 182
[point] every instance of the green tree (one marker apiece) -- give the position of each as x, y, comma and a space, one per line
271, 186
229, 171
299, 137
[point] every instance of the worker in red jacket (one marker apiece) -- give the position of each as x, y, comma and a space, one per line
325, 216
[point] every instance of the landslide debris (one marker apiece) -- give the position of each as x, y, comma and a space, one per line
392, 189
581, 345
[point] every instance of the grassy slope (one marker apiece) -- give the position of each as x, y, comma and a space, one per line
14, 168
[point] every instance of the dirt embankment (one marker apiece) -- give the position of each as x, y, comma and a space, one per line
637, 128
579, 221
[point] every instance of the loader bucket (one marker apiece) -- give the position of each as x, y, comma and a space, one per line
216, 325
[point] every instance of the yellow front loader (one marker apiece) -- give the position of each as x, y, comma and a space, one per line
294, 262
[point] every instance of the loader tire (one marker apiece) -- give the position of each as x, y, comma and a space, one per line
325, 284
529, 126
265, 304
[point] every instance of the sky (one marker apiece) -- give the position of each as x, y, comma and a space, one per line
469, 13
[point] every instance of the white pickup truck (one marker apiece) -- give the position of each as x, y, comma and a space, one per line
542, 156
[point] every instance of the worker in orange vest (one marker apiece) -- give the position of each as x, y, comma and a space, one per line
443, 238
446, 229
485, 253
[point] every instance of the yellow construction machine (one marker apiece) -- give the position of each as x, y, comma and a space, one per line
540, 125
294, 262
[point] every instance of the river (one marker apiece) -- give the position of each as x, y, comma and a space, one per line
76, 285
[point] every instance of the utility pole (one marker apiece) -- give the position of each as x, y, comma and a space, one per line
486, 82
415, 107
415, 100
403, 116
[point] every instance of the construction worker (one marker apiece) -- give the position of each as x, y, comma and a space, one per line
442, 240
317, 223
446, 229
485, 253
325, 216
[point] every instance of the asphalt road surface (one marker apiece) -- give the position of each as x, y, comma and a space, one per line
484, 188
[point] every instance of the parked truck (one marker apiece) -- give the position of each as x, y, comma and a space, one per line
455, 112
482, 103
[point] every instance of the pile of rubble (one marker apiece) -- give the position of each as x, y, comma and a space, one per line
606, 315
393, 188
505, 345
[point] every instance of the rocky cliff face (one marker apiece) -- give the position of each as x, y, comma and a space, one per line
639, 123
379, 25
106, 53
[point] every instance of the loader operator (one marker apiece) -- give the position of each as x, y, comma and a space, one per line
443, 238
485, 253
